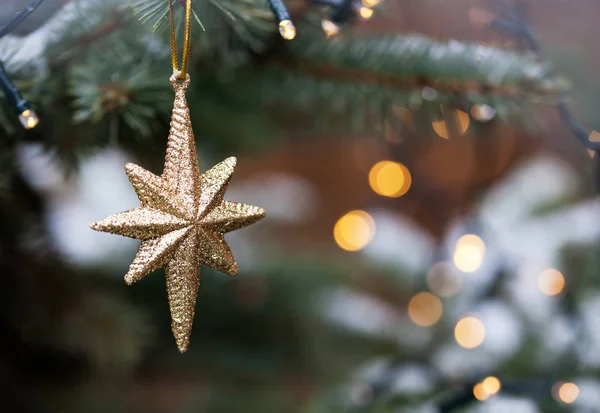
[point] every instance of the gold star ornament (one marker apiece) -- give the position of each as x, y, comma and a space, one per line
182, 219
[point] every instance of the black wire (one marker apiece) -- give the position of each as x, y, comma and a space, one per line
11, 92
19, 18
512, 22
279, 10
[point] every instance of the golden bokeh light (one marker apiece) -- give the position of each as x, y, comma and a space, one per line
469, 332
469, 253
480, 393
366, 13
354, 230
565, 392
370, 3
551, 282
460, 123
391, 179
443, 279
425, 309
491, 385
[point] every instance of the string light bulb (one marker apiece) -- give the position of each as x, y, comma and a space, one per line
29, 119
26, 115
287, 30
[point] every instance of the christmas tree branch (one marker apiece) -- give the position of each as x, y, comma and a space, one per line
416, 61
238, 47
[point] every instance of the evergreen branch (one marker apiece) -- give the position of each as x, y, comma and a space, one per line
410, 61
134, 93
366, 105
249, 23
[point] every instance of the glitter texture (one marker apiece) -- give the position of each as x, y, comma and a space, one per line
182, 219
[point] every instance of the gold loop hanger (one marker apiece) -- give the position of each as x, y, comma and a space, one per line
181, 73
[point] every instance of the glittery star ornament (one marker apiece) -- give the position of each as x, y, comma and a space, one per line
182, 219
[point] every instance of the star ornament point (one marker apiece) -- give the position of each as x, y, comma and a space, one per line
181, 222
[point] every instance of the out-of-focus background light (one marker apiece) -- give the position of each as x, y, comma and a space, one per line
479, 392
354, 230
390, 179
551, 282
425, 309
366, 13
370, 3
444, 279
469, 252
486, 388
491, 385
469, 332
483, 113
460, 123
565, 392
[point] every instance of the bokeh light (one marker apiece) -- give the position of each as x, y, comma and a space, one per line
443, 279
370, 3
460, 123
425, 309
391, 179
366, 13
551, 282
469, 332
483, 113
479, 392
487, 388
565, 392
469, 253
354, 230
330, 28
491, 385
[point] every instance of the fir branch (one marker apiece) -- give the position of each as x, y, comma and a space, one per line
248, 22
416, 61
134, 93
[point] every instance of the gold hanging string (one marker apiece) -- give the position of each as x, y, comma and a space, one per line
186, 40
